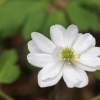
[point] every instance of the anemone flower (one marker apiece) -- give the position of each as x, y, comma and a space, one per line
68, 54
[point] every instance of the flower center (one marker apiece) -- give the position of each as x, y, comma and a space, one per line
67, 53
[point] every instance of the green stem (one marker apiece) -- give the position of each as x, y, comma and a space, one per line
5, 96
96, 98
55, 91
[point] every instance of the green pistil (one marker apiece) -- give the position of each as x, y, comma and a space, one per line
67, 53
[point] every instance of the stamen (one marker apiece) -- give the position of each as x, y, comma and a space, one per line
73, 60
64, 58
68, 55
69, 63
79, 56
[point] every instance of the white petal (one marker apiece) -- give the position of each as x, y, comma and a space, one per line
98, 67
57, 34
57, 53
93, 43
79, 35
51, 70
43, 43
32, 47
40, 59
70, 35
89, 61
84, 67
50, 81
83, 76
83, 43
70, 76
93, 52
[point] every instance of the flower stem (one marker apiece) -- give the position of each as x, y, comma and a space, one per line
96, 98
5, 96
55, 91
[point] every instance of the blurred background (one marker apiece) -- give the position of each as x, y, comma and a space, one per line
18, 18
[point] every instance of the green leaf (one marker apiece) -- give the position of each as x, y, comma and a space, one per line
14, 14
11, 18
97, 73
78, 16
2, 1
9, 71
9, 74
94, 22
35, 20
83, 18
95, 4
54, 17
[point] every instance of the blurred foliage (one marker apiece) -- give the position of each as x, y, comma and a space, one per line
26, 16
84, 18
54, 17
97, 74
9, 71
36, 15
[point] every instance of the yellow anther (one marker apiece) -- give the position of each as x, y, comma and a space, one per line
73, 60
79, 56
64, 58
69, 63
73, 57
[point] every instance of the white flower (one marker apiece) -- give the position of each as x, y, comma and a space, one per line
68, 55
